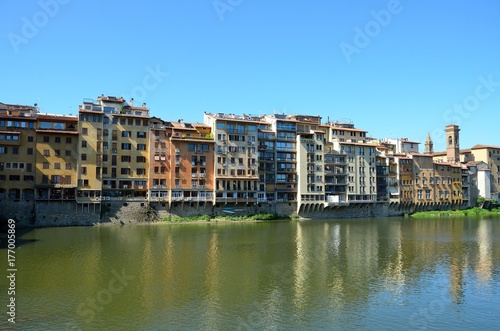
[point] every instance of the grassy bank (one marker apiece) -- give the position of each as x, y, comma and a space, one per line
476, 211
208, 218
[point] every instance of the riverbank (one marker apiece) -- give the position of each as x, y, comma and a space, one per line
476, 211
243, 218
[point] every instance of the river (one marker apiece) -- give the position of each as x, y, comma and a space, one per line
356, 274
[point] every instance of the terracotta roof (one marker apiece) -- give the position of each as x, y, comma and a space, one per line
65, 118
345, 129
357, 143
203, 125
421, 154
479, 146
57, 131
467, 150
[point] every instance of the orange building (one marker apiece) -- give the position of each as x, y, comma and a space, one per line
191, 151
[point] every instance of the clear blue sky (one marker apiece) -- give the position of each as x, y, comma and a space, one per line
394, 68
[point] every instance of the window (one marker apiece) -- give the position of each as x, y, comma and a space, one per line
125, 158
68, 140
57, 152
15, 150
141, 171
141, 147
29, 167
126, 146
57, 140
85, 131
125, 171
141, 134
68, 166
3, 150
83, 170
68, 152
30, 139
84, 157
126, 134
84, 144
45, 165
46, 152
141, 159
46, 139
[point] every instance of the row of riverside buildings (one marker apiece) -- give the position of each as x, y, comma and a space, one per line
115, 151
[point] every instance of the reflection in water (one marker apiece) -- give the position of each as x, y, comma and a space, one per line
348, 274
485, 263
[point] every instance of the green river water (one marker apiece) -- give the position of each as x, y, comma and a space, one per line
356, 274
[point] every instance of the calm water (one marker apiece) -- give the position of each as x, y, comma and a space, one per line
362, 274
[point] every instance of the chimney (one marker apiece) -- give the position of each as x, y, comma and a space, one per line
144, 105
131, 102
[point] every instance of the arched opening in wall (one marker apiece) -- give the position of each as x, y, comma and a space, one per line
29, 194
14, 194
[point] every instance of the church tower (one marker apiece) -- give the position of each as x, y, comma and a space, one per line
429, 145
452, 143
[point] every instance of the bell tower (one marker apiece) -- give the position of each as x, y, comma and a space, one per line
429, 145
452, 143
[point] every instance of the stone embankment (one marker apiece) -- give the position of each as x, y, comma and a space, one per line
69, 213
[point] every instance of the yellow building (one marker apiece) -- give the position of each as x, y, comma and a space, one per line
56, 157
114, 150
236, 166
17, 152
423, 178
448, 182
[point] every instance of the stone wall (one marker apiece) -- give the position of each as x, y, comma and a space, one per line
65, 214
355, 210
23, 212
189, 209
127, 212
68, 213
46, 214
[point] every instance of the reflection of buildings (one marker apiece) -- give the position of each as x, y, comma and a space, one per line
484, 265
